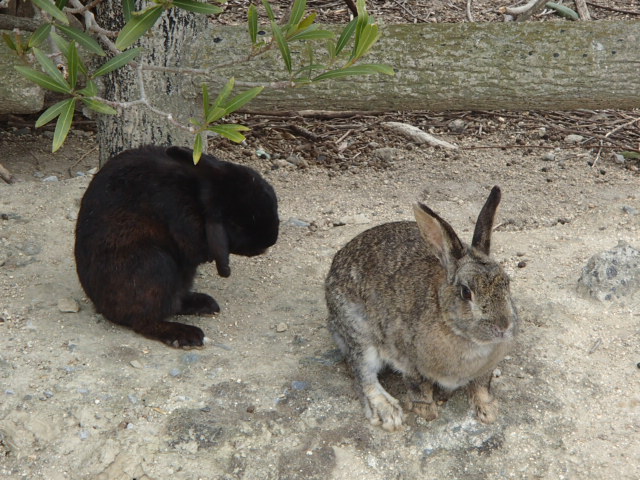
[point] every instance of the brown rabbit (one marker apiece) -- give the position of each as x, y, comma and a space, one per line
412, 296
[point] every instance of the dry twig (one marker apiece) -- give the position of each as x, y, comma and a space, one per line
583, 11
6, 175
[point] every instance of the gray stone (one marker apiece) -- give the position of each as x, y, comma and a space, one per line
573, 139
613, 274
457, 126
68, 305
549, 157
387, 154
51, 178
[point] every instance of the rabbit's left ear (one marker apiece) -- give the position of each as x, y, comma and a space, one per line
218, 245
484, 224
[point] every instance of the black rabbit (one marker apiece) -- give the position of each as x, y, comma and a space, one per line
148, 219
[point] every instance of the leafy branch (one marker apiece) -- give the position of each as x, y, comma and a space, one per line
78, 82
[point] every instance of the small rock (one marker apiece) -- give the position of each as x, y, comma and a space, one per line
282, 327
263, 154
457, 126
630, 210
297, 160
299, 385
619, 159
549, 157
387, 155
573, 139
51, 178
48, 393
175, 372
68, 305
190, 358
522, 264
38, 174
92, 171
295, 222
541, 132
136, 364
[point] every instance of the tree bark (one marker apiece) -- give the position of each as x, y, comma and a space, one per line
168, 45
469, 66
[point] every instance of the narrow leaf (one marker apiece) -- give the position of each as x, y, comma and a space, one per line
50, 68
369, 36
197, 7
98, 106
61, 4
239, 101
87, 41
116, 62
128, 7
138, 26
312, 34
51, 113
267, 7
63, 125
346, 35
307, 22
224, 93
73, 64
45, 81
252, 15
52, 10
39, 36
367, 69
214, 114
282, 45
9, 41
61, 43
230, 131
297, 12
197, 149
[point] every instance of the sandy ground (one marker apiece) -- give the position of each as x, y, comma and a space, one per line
269, 398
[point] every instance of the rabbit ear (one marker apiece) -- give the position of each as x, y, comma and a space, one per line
484, 224
218, 245
440, 235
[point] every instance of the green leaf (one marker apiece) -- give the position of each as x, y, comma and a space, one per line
368, 37
230, 131
50, 68
252, 16
282, 45
267, 7
91, 90
312, 33
61, 4
346, 35
40, 35
61, 43
73, 64
116, 62
214, 114
239, 101
631, 155
51, 113
52, 10
63, 125
297, 12
87, 41
563, 11
306, 23
138, 26
45, 81
98, 106
225, 92
367, 69
128, 7
198, 7
9, 41
197, 149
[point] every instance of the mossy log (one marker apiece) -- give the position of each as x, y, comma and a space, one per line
467, 66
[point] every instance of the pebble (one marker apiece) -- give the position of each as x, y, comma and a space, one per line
522, 264
263, 154
92, 171
573, 139
136, 364
296, 222
282, 327
190, 358
48, 393
68, 305
630, 210
175, 372
299, 385
619, 159
297, 160
51, 178
549, 157
457, 126
359, 219
133, 399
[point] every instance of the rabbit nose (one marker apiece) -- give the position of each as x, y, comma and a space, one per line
502, 326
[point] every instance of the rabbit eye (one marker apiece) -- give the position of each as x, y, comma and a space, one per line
465, 293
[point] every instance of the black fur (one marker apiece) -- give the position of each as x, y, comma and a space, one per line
148, 219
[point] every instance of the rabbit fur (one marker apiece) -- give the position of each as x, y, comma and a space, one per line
148, 219
412, 296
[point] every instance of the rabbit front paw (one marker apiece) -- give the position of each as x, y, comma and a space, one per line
174, 334
194, 303
484, 404
382, 409
426, 410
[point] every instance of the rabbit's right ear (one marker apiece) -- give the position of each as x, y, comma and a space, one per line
440, 236
484, 224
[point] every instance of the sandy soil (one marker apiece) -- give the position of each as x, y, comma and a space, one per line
269, 398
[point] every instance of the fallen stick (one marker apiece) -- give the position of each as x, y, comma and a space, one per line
417, 135
6, 175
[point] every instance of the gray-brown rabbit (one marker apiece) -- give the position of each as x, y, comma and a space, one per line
412, 296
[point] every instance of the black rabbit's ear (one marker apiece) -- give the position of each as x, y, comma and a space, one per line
440, 236
484, 224
218, 245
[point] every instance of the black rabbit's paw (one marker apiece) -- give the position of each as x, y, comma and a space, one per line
198, 304
175, 334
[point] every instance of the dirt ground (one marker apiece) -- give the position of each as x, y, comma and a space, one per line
269, 397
